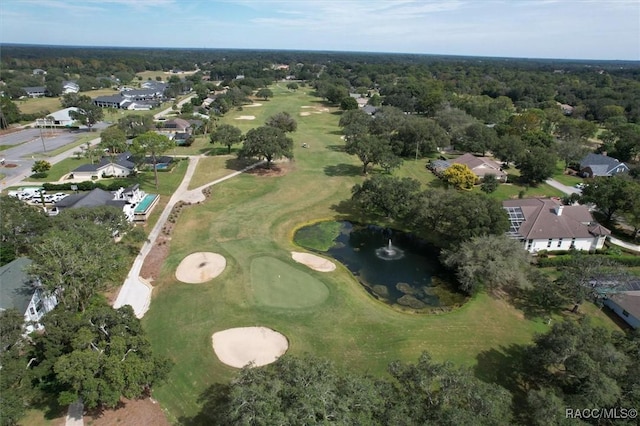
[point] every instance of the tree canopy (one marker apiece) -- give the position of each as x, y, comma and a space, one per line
99, 355
266, 142
152, 144
227, 135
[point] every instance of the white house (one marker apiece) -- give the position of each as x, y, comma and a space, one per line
62, 117
547, 224
70, 87
120, 166
23, 293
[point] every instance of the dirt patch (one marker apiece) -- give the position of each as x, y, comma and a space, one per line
238, 347
129, 413
246, 117
200, 267
10, 165
155, 259
275, 170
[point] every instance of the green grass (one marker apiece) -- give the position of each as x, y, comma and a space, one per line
278, 284
60, 169
508, 191
319, 237
36, 105
251, 218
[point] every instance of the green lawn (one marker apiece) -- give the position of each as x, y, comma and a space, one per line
250, 220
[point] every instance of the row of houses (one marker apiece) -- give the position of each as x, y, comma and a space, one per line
592, 165
40, 91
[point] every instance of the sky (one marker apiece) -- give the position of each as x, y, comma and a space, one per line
563, 29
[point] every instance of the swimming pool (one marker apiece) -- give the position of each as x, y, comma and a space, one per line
162, 166
146, 202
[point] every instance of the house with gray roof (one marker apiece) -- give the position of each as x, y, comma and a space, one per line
601, 165
547, 224
120, 166
35, 92
627, 305
25, 294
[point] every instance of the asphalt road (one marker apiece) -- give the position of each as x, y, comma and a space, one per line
26, 150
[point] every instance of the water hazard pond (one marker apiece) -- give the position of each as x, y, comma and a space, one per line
405, 273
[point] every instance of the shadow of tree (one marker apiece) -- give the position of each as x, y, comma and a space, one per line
237, 163
342, 169
347, 209
214, 401
336, 148
503, 366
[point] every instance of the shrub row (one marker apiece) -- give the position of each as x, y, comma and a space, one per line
111, 185
558, 261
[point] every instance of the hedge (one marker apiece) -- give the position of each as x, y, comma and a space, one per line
558, 261
111, 185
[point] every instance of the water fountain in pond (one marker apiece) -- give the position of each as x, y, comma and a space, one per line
389, 252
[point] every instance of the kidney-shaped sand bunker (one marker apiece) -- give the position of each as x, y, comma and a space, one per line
238, 347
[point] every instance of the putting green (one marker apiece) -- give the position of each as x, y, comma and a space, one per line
279, 285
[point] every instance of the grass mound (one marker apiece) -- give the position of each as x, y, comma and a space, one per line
279, 285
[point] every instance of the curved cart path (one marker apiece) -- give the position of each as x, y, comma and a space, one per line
136, 291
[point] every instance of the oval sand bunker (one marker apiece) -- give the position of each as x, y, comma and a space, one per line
238, 347
200, 267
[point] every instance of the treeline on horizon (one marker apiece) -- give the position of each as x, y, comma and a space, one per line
190, 56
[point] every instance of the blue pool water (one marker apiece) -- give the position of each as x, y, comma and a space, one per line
161, 166
145, 203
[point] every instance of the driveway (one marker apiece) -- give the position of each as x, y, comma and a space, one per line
564, 188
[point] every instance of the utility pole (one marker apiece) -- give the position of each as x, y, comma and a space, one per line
39, 123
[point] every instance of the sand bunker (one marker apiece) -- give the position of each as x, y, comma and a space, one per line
314, 262
246, 117
200, 267
238, 347
304, 114
257, 104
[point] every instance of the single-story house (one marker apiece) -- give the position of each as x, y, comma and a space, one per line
627, 305
601, 165
35, 92
177, 125
547, 224
39, 71
370, 109
128, 199
481, 166
120, 166
70, 87
143, 94
111, 101
182, 139
62, 117
21, 292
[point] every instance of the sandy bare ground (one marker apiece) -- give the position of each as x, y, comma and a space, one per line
257, 104
246, 117
314, 262
304, 114
200, 267
241, 346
